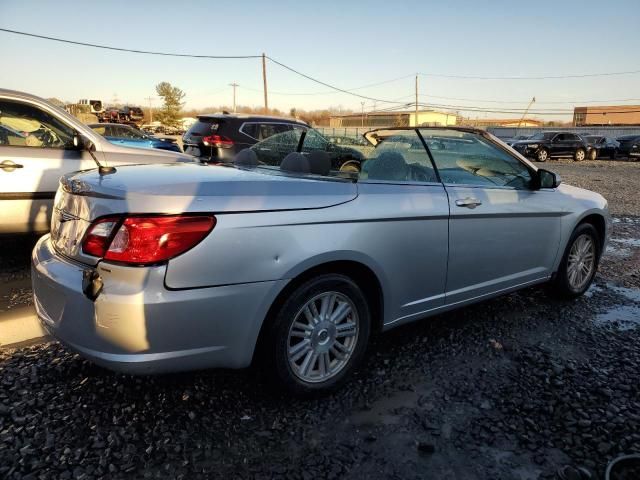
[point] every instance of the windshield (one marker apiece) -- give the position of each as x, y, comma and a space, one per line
543, 136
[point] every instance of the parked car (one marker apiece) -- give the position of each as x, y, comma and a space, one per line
131, 114
132, 137
601, 147
629, 146
39, 142
543, 146
517, 138
218, 137
346, 140
293, 266
272, 150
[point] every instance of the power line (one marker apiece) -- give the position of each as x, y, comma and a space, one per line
548, 102
330, 92
107, 47
517, 111
328, 85
342, 90
543, 77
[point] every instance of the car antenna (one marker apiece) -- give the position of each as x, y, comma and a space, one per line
102, 169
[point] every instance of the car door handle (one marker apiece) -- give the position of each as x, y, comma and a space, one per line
10, 166
468, 202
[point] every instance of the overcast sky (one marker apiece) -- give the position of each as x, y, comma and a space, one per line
346, 43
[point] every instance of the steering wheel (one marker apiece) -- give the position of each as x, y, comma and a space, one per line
350, 166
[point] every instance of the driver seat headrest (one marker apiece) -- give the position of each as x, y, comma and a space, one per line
319, 162
295, 162
389, 165
246, 158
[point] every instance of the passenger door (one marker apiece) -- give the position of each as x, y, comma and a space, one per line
404, 218
36, 148
502, 232
559, 145
573, 143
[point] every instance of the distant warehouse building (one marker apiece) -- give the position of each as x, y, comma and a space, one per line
502, 122
606, 115
430, 118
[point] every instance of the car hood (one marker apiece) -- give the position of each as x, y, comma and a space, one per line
193, 187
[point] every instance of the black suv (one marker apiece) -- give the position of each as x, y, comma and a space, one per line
545, 145
629, 145
218, 137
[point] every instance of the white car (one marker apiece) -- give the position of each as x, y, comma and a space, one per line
40, 142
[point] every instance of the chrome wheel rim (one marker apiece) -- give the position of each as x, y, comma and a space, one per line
322, 337
542, 155
581, 262
580, 155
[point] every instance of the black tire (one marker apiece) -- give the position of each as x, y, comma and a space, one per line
542, 155
560, 286
579, 155
593, 154
277, 341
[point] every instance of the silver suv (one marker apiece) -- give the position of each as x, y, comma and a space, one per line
39, 142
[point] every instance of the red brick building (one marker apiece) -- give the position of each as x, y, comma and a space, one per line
606, 115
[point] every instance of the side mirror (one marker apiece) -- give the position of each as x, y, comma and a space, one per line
547, 179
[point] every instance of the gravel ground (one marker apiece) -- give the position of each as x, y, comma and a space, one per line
513, 388
617, 180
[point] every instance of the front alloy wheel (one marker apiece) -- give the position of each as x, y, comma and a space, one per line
579, 263
319, 335
542, 155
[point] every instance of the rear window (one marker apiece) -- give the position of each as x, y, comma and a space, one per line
204, 126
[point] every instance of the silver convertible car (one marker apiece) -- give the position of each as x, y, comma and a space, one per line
293, 260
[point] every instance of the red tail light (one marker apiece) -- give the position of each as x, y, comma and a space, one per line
217, 141
146, 240
96, 241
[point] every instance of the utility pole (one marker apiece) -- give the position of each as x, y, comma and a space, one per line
416, 122
362, 103
150, 98
234, 85
526, 111
264, 83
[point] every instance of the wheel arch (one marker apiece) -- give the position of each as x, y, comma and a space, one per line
600, 224
366, 276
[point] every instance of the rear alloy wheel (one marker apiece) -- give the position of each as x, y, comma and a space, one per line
579, 263
542, 155
580, 155
319, 335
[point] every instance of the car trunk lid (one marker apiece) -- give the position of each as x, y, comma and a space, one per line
181, 188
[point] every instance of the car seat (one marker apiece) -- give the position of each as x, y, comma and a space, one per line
319, 162
246, 158
389, 165
295, 162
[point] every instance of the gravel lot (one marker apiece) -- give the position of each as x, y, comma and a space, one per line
618, 181
513, 388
